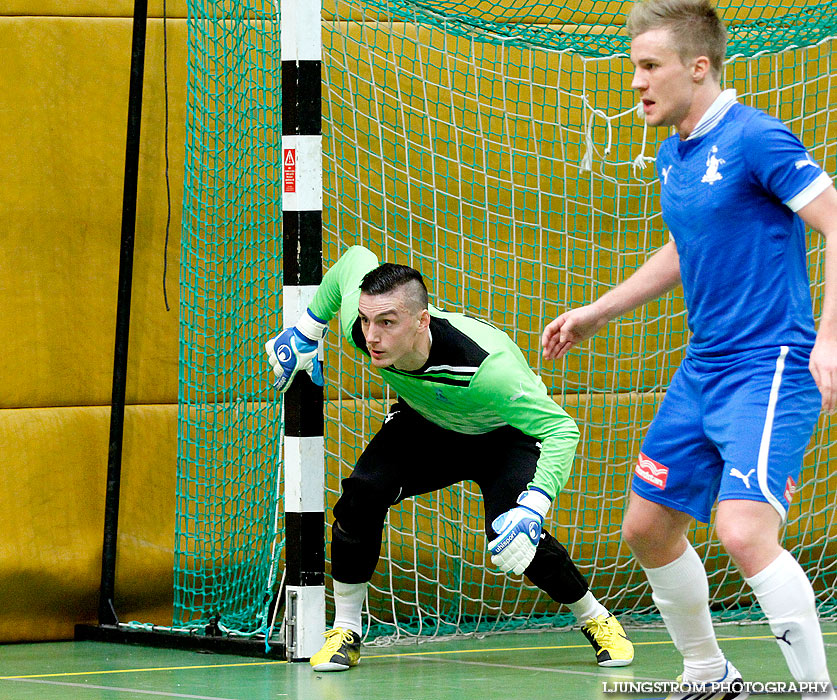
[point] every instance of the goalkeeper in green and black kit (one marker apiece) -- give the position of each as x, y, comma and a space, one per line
469, 408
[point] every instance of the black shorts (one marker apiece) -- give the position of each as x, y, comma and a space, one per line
410, 455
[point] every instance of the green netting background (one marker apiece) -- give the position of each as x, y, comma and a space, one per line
229, 447
494, 146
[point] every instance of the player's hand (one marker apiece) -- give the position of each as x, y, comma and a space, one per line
519, 532
823, 366
570, 328
291, 351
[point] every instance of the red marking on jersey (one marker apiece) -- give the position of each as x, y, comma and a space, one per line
790, 489
651, 472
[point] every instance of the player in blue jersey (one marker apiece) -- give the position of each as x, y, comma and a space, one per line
737, 188
469, 408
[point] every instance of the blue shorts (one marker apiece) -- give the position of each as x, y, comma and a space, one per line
730, 429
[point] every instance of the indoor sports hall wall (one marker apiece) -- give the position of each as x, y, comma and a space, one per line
61, 192
66, 70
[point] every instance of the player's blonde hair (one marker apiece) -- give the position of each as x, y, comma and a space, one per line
696, 30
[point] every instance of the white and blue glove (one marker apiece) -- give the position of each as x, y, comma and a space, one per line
295, 349
519, 532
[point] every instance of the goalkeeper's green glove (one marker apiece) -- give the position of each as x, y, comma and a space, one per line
519, 532
295, 349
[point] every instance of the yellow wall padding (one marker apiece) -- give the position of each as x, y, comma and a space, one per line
52, 513
90, 8
62, 211
113, 8
62, 202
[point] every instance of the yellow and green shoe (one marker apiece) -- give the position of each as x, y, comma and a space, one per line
611, 644
340, 652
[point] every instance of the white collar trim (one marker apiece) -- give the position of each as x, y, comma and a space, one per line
714, 114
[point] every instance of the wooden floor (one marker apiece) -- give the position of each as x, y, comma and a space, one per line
538, 666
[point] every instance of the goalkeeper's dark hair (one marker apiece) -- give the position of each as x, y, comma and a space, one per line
696, 30
388, 277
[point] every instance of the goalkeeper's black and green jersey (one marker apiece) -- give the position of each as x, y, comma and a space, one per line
474, 381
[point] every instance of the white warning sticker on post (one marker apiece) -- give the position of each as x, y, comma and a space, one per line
302, 173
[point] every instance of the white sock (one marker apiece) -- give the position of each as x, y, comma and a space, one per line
348, 604
587, 608
788, 601
681, 593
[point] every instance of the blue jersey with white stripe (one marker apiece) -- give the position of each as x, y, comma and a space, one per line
729, 195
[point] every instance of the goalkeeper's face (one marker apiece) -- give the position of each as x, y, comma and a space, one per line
395, 330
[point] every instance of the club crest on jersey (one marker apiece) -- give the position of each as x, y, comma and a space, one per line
651, 472
790, 489
713, 163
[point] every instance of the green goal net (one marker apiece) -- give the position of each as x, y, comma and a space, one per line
496, 147
227, 528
